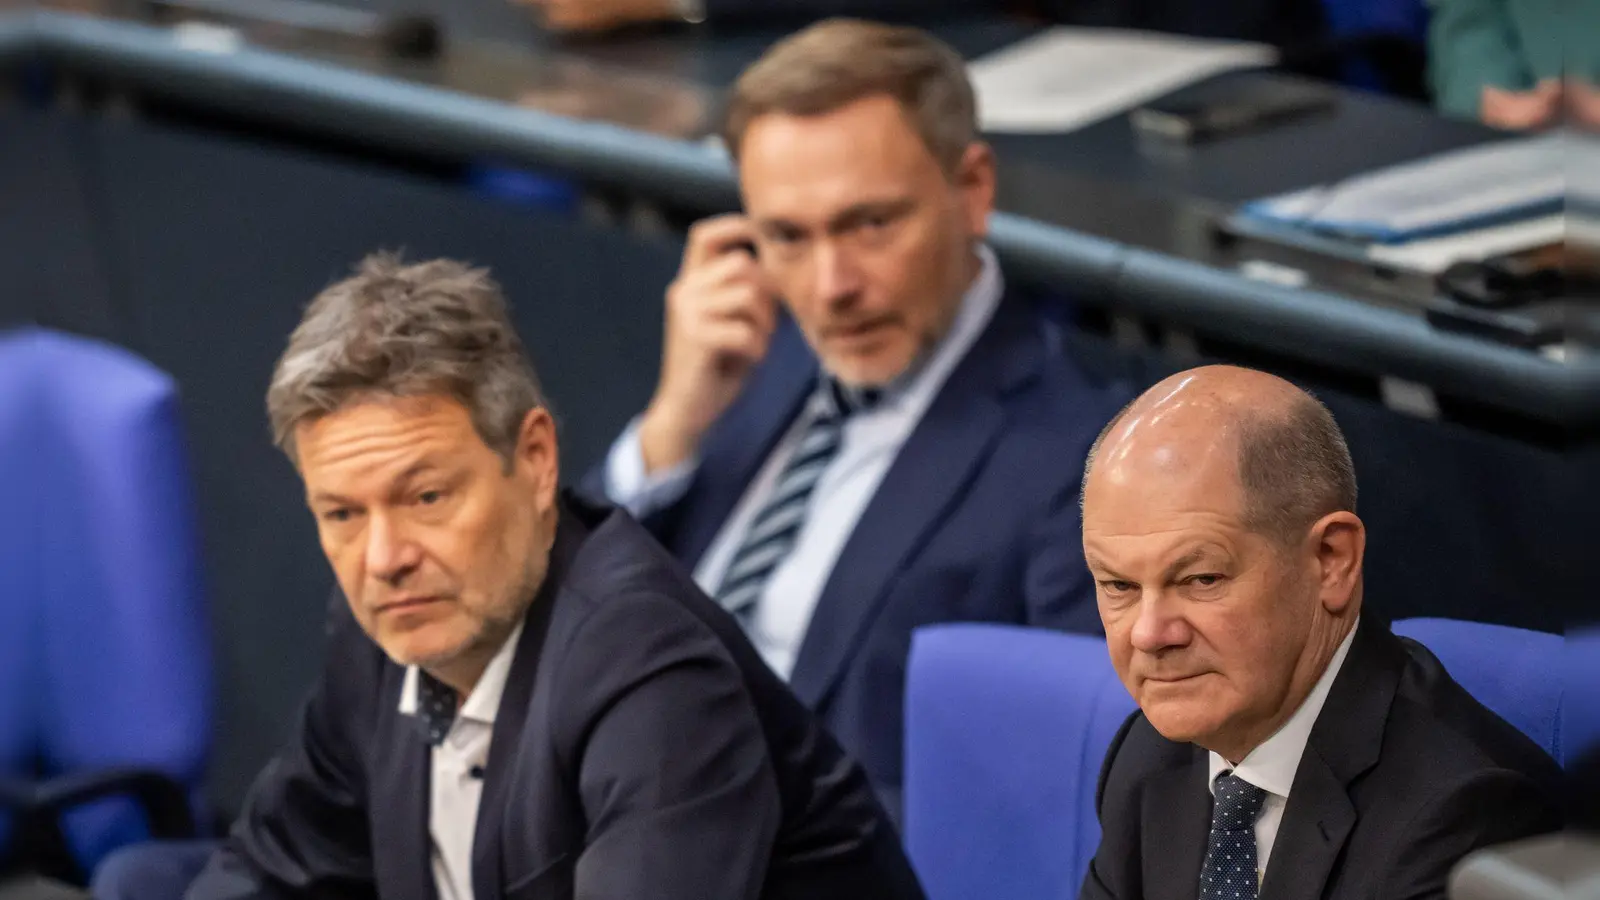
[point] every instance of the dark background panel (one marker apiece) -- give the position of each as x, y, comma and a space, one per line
217, 247
1460, 523
51, 266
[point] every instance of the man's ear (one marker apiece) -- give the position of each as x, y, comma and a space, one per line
537, 453
1340, 542
975, 176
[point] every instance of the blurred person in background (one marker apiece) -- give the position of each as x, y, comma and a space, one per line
1503, 61
1286, 742
859, 428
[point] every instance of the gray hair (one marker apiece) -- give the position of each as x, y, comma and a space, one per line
1294, 466
400, 330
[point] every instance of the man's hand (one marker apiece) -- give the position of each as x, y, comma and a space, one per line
600, 15
720, 317
1583, 103
1520, 110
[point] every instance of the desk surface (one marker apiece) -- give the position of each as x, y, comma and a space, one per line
1136, 226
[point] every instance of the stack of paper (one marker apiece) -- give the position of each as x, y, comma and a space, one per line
1464, 190
1065, 78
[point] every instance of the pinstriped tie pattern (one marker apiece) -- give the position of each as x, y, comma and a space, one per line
1230, 869
773, 531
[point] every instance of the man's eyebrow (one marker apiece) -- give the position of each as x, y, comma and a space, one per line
420, 467
1095, 562
1198, 554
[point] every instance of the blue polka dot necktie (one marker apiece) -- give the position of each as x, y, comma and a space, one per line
774, 530
436, 705
1230, 869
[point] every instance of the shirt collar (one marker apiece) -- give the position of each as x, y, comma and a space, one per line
1271, 766
977, 308
484, 701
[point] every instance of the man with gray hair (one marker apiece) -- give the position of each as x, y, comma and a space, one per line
525, 696
1286, 743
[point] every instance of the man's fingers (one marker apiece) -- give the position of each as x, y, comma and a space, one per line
711, 238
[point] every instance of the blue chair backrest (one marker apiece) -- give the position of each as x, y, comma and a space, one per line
1403, 18
1580, 701
20, 411
1515, 672
1006, 728
122, 641
1407, 19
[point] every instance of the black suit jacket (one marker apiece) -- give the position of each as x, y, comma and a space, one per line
1404, 774
641, 750
975, 521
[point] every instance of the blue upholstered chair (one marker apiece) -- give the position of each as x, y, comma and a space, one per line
1580, 702
111, 732
1386, 40
1006, 729
1513, 671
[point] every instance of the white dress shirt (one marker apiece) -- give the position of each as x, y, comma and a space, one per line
457, 772
1271, 766
871, 441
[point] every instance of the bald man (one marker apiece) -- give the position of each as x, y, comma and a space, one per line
1286, 746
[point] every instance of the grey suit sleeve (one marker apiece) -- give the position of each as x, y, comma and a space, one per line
304, 827
1490, 808
673, 770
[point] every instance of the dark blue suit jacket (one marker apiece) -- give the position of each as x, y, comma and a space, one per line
641, 749
976, 520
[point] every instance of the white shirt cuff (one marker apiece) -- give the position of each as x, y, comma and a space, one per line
632, 488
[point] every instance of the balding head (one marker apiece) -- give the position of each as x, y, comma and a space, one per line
1219, 524
1291, 461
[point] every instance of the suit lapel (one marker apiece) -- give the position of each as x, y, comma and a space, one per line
1344, 744
743, 439
1176, 814
1315, 825
488, 876
930, 473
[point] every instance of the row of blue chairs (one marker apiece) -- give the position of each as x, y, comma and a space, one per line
1006, 729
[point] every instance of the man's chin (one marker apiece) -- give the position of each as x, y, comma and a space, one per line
863, 373
1178, 721
427, 651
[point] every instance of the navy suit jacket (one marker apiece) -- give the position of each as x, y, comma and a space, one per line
1404, 773
641, 749
975, 521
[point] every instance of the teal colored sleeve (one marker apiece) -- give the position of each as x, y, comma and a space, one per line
1471, 44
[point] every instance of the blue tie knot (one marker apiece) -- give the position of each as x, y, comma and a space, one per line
1238, 803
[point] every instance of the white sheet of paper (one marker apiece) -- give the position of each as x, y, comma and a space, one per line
1064, 78
1457, 186
1436, 254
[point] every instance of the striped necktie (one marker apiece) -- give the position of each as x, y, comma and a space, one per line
772, 533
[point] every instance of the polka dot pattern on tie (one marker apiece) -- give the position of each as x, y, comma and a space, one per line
436, 704
1230, 868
